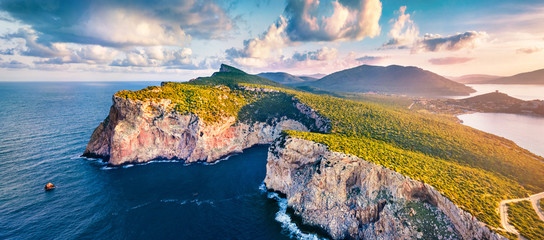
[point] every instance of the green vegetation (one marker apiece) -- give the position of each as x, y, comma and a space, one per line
541, 203
431, 135
271, 106
522, 216
473, 169
476, 191
389, 100
231, 79
208, 102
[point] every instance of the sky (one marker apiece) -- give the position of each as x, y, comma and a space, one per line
104, 40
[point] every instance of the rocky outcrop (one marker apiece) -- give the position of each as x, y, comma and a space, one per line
355, 199
139, 131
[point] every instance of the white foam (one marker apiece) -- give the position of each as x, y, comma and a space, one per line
285, 220
128, 165
262, 188
108, 168
217, 161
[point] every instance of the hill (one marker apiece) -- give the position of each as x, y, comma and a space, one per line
489, 102
308, 79
494, 97
231, 76
281, 77
229, 111
393, 79
534, 77
473, 78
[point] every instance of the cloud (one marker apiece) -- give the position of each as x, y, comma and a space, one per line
371, 59
33, 48
13, 64
436, 42
528, 50
311, 20
449, 60
262, 46
178, 58
323, 54
404, 32
89, 54
121, 23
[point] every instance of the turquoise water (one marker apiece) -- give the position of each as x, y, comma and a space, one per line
44, 128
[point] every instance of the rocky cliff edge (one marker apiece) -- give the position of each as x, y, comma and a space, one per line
351, 198
139, 131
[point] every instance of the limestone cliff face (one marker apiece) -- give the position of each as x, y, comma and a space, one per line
354, 199
140, 131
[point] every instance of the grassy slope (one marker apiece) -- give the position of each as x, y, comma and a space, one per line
474, 169
522, 216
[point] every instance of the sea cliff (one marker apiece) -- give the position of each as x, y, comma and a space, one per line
352, 198
138, 131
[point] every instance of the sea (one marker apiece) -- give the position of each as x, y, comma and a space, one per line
527, 131
44, 128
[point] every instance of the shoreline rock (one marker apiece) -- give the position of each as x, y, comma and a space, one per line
351, 198
140, 131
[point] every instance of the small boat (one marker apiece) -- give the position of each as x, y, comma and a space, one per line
49, 187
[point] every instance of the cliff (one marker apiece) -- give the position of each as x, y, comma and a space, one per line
354, 199
139, 131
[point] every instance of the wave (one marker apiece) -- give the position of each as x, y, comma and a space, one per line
286, 223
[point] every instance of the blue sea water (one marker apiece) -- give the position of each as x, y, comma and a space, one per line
44, 128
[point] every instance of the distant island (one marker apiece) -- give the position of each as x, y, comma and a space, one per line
490, 102
353, 168
394, 79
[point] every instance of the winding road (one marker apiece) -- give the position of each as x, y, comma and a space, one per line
503, 210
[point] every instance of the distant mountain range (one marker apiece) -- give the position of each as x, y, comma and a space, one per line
473, 78
489, 102
393, 79
533, 78
281, 77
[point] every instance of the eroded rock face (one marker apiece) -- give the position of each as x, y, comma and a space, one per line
352, 198
140, 131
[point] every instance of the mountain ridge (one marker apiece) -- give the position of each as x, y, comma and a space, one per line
393, 79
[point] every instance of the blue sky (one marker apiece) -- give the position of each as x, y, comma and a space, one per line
180, 40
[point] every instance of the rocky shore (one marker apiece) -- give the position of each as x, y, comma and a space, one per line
346, 196
352, 198
139, 131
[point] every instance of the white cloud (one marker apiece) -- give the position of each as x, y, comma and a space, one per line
125, 27
179, 58
404, 32
528, 50
350, 20
33, 48
436, 42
